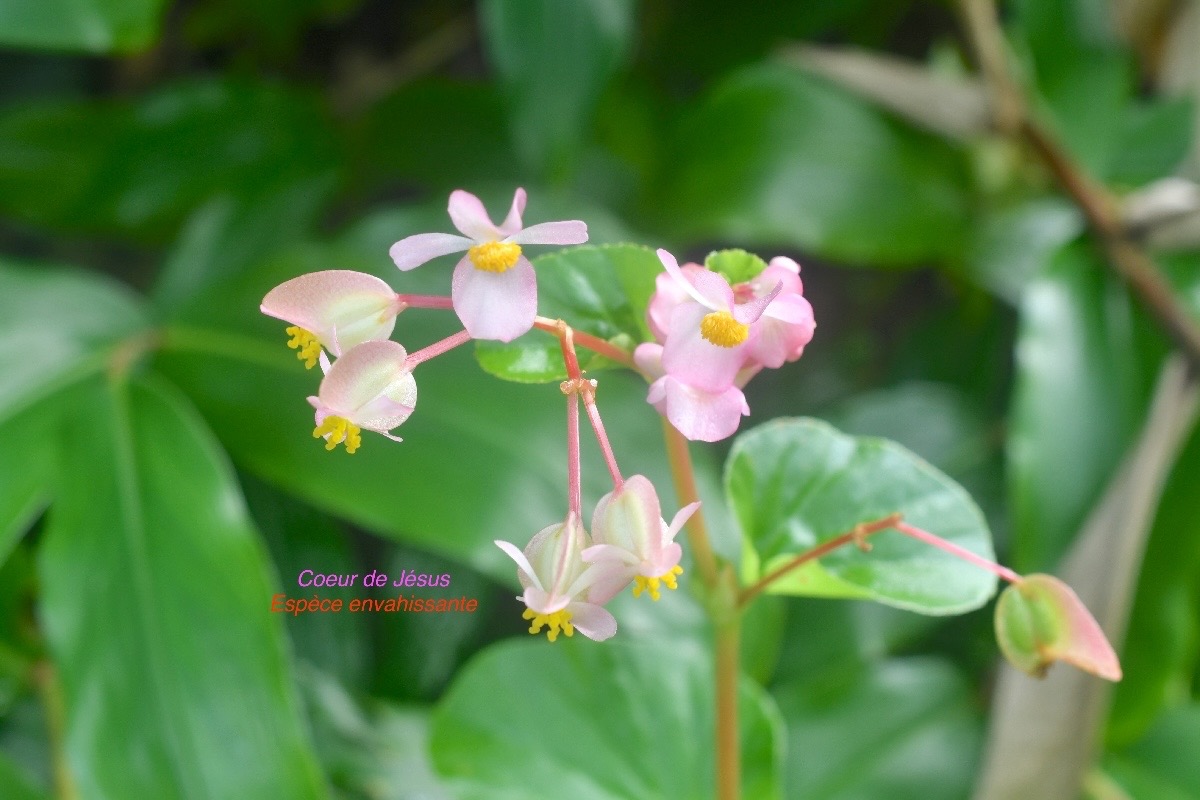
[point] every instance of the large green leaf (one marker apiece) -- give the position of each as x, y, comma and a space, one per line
603, 291
899, 730
139, 169
532, 720
553, 60
796, 483
90, 26
1078, 397
155, 598
16, 785
1163, 764
775, 156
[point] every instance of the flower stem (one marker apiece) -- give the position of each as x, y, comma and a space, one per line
961, 552
424, 301
593, 343
574, 471
729, 766
858, 534
437, 348
680, 460
593, 412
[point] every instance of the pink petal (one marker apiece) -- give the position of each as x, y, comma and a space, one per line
749, 312
648, 357
669, 294
544, 602
413, 251
608, 552
495, 305
513, 552
360, 306
699, 416
705, 286
391, 408
568, 232
679, 520
783, 331
512, 223
781, 270
593, 621
663, 561
630, 518
471, 218
694, 360
360, 376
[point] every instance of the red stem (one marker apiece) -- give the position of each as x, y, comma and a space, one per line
574, 483
436, 349
593, 412
954, 550
425, 301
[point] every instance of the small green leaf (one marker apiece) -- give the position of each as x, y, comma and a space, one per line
601, 290
1040, 620
540, 721
737, 266
778, 157
796, 483
171, 651
89, 26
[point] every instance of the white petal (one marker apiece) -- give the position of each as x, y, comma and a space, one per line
495, 305
413, 251
470, 217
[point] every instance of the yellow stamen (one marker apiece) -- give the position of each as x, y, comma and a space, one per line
340, 430
494, 256
723, 330
306, 343
559, 619
643, 584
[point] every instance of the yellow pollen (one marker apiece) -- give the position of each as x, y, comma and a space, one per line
494, 256
340, 430
642, 584
307, 345
723, 330
559, 619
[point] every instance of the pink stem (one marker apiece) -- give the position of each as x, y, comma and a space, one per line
437, 348
425, 301
574, 487
593, 412
954, 550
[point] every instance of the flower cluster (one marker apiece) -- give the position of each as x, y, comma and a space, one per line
713, 337
351, 315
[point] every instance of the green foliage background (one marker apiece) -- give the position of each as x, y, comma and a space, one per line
163, 165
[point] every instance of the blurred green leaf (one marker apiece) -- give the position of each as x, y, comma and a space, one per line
553, 60
90, 26
155, 600
1162, 646
796, 483
776, 157
1079, 395
1163, 764
139, 169
603, 291
531, 720
16, 785
901, 730
1155, 138
1010, 247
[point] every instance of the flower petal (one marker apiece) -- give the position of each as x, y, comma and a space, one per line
648, 357
567, 232
413, 251
360, 376
544, 602
471, 218
392, 407
512, 223
750, 311
694, 360
679, 520
360, 306
593, 621
700, 416
495, 305
513, 552
705, 287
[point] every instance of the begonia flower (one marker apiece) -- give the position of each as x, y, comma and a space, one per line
369, 388
699, 415
334, 309
628, 529
558, 586
708, 335
787, 323
494, 286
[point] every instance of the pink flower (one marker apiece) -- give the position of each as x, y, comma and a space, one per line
370, 387
558, 586
494, 287
335, 309
709, 334
787, 323
629, 531
699, 415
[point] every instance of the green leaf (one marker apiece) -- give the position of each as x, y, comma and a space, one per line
777, 157
531, 720
89, 26
737, 266
902, 730
553, 60
1155, 138
1079, 394
796, 483
171, 652
16, 785
1010, 247
602, 290
142, 168
1163, 765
